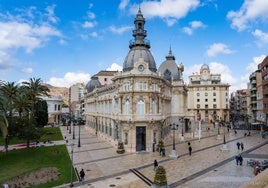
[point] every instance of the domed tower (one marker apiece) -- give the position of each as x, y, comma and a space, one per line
205, 72
139, 47
170, 70
92, 84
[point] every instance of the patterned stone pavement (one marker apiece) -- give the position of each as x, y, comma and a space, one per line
209, 166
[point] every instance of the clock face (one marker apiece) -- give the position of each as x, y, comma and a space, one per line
141, 67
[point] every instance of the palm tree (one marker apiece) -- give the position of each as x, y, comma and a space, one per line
9, 91
22, 104
34, 90
3, 119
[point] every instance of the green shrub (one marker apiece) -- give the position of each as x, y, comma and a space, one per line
160, 178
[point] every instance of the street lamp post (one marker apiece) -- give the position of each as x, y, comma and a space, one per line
70, 124
79, 144
224, 146
173, 153
73, 130
219, 135
182, 125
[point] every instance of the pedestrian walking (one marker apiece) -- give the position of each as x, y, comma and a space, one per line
82, 174
190, 150
240, 158
242, 146
155, 164
237, 159
235, 132
238, 145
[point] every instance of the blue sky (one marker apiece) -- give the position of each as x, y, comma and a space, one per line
64, 42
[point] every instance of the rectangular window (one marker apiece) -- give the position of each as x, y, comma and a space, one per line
126, 86
144, 85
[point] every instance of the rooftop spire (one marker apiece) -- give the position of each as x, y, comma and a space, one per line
170, 56
139, 33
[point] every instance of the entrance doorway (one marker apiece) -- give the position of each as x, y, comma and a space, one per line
140, 138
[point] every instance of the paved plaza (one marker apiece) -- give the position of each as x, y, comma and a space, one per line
208, 166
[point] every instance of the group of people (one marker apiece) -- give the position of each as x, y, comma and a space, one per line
240, 145
239, 160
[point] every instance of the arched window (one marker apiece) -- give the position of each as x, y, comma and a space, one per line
127, 107
141, 107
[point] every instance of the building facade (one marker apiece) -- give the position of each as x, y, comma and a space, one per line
54, 107
208, 96
76, 94
142, 102
263, 68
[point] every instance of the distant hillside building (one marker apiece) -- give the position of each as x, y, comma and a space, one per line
76, 94
54, 105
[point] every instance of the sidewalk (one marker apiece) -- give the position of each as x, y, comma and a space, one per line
105, 168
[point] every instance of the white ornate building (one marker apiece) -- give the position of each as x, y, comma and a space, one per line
142, 102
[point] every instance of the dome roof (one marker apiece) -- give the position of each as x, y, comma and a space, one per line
169, 68
135, 54
204, 66
139, 47
92, 84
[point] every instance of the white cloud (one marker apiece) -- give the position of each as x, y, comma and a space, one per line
51, 15
187, 30
88, 24
91, 15
169, 10
23, 35
90, 21
27, 70
6, 61
115, 67
218, 48
120, 30
193, 26
262, 37
250, 11
123, 4
62, 42
94, 34
69, 79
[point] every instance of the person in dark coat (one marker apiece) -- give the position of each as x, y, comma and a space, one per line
237, 159
238, 145
240, 158
242, 146
190, 150
155, 164
82, 174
